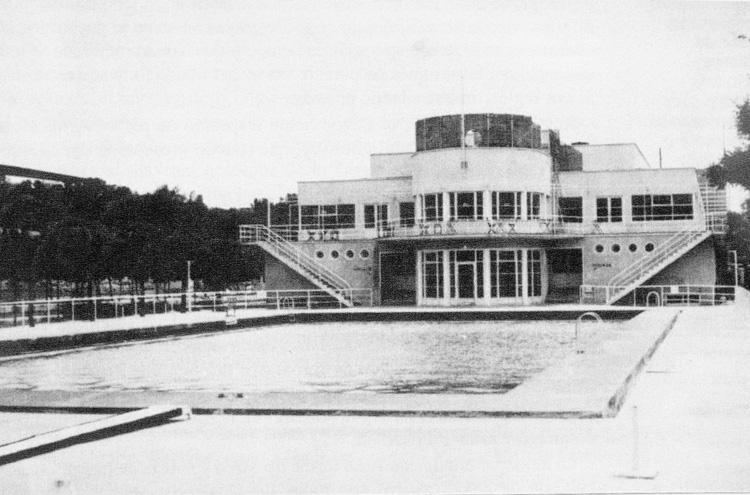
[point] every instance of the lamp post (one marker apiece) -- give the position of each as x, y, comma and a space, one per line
189, 287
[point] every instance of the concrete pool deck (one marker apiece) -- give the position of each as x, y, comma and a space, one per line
694, 421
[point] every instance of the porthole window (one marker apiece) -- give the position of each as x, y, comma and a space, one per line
319, 254
615, 248
633, 248
334, 254
349, 254
364, 254
649, 247
599, 248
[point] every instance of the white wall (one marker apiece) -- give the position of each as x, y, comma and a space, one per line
390, 164
624, 156
494, 169
625, 183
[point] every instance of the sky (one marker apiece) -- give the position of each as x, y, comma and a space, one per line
235, 100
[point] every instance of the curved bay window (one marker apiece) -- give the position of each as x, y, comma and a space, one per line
481, 276
533, 205
432, 207
466, 205
506, 205
506, 274
432, 274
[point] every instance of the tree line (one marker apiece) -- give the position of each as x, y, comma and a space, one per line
89, 237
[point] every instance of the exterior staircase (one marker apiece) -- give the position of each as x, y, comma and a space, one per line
299, 261
712, 203
646, 267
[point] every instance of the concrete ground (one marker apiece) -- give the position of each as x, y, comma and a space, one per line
694, 430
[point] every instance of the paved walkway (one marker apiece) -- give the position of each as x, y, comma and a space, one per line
694, 410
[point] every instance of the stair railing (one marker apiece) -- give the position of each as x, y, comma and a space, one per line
261, 233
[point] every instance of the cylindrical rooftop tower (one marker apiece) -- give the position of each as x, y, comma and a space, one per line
483, 130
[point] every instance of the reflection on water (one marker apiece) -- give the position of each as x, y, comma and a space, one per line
415, 357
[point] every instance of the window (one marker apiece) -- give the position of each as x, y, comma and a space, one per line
506, 205
649, 247
432, 207
571, 209
376, 215
505, 273
615, 248
535, 273
465, 205
633, 248
599, 248
364, 254
662, 207
609, 209
334, 254
327, 216
349, 254
406, 214
432, 274
319, 254
533, 205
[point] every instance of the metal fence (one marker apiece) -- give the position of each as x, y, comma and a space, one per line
661, 295
19, 313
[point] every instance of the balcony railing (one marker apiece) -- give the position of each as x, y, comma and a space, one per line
548, 226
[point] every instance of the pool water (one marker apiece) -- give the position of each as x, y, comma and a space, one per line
416, 357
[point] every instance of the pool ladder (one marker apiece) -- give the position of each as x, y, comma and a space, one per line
579, 320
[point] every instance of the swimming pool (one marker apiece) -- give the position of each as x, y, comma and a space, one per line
368, 357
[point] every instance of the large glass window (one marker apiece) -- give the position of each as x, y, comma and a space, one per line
406, 214
432, 274
609, 209
533, 205
505, 273
465, 205
376, 215
432, 207
571, 209
506, 205
648, 207
534, 280
327, 216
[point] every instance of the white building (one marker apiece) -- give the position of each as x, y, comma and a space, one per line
508, 215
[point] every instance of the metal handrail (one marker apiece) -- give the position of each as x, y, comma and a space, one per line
261, 233
99, 307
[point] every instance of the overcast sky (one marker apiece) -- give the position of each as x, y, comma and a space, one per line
236, 100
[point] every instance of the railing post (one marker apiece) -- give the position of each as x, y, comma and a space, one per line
95, 301
214, 301
49, 311
308, 299
154, 306
72, 310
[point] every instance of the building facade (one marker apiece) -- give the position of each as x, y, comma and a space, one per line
492, 210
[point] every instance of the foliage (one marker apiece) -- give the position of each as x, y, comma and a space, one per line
90, 232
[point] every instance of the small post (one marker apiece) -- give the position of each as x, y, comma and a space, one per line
95, 302
308, 299
72, 310
49, 311
635, 461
